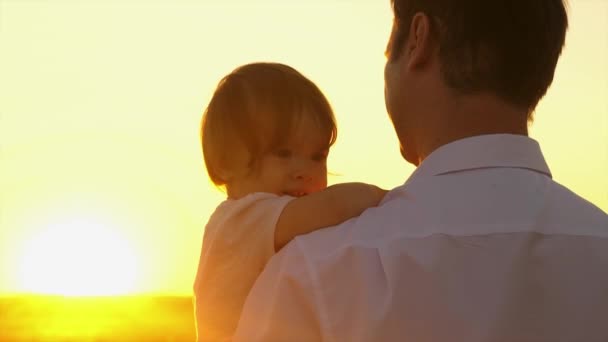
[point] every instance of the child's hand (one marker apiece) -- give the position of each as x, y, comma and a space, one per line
379, 193
362, 196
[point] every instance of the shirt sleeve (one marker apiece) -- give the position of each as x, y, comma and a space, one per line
238, 242
283, 305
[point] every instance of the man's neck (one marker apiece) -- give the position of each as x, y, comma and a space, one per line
472, 116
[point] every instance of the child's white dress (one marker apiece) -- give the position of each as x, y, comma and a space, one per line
237, 243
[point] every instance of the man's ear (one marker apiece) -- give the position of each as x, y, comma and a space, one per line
420, 42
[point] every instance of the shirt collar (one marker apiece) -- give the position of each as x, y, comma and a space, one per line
484, 151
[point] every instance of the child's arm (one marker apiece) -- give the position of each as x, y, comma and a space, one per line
325, 208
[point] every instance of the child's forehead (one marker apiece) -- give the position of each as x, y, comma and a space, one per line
307, 131
305, 125
301, 124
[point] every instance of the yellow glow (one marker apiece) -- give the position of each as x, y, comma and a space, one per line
100, 105
79, 256
123, 318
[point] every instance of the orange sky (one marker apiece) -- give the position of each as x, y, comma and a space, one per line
101, 176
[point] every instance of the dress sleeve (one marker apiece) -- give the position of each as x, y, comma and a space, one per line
238, 242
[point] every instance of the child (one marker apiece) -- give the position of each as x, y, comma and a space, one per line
265, 134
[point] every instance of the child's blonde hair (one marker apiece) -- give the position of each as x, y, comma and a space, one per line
253, 110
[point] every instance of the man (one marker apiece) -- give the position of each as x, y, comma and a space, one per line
480, 244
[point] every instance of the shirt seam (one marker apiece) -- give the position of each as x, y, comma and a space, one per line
367, 244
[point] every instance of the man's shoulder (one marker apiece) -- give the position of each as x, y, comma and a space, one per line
569, 208
406, 215
371, 230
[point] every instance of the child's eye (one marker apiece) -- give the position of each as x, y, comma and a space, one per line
283, 153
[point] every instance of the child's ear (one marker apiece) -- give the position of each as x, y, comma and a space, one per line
234, 169
226, 174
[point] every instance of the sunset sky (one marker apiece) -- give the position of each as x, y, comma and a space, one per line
102, 184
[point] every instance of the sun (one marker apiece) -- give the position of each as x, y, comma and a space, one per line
78, 256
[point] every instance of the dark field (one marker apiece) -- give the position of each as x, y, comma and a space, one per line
115, 319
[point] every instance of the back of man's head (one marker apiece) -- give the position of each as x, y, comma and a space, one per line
507, 47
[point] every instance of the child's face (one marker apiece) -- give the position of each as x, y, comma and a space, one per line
296, 168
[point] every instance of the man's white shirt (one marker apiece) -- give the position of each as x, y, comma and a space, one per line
480, 244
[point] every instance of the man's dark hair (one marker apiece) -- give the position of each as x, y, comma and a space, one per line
508, 47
